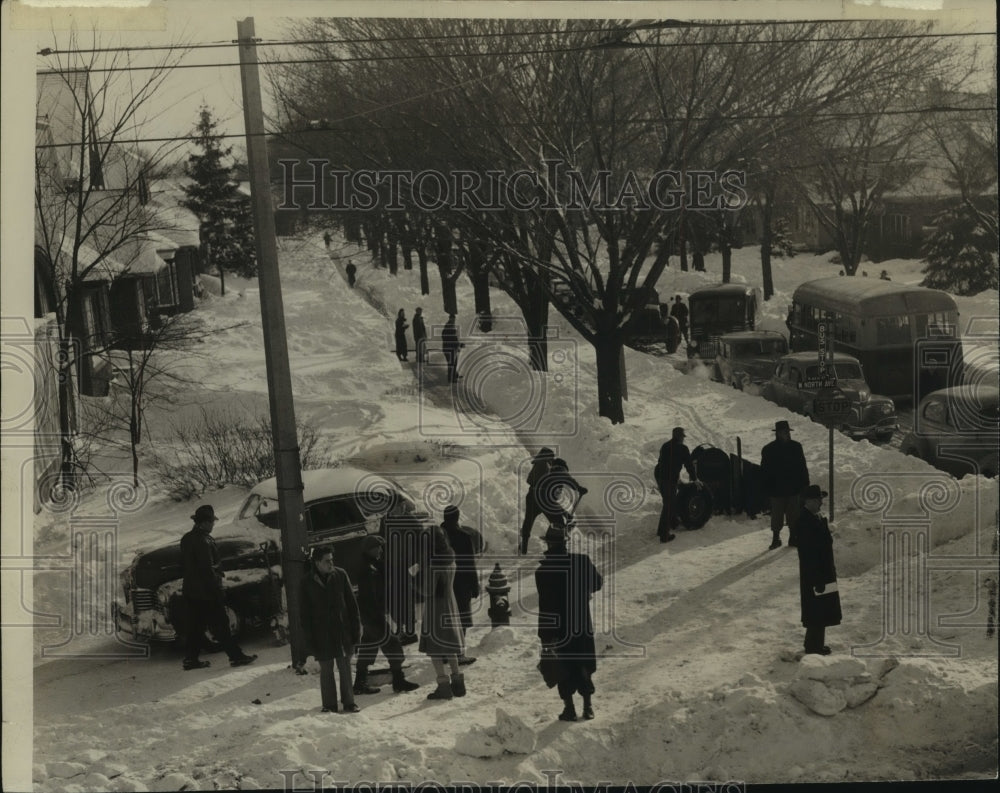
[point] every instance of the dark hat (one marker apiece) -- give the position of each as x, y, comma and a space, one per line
451, 512
371, 542
678, 432
556, 535
417, 310
203, 513
782, 425
545, 453
560, 464
813, 491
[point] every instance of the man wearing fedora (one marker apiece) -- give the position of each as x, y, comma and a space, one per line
566, 581
674, 457
817, 573
784, 475
204, 598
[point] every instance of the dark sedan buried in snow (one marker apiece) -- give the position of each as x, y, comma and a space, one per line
746, 359
957, 430
843, 401
342, 507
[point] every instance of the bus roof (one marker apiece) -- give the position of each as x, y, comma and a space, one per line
721, 290
871, 296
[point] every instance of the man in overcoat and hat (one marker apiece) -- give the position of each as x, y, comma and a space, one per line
204, 598
566, 581
467, 543
674, 457
817, 573
784, 475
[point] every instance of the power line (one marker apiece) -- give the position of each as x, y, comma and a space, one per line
548, 50
659, 25
518, 125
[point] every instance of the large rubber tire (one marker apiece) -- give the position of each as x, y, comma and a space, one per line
694, 505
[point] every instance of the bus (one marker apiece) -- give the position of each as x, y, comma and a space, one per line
716, 310
887, 326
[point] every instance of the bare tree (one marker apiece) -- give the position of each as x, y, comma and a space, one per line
91, 189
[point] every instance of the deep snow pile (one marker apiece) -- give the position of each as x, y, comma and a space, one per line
698, 677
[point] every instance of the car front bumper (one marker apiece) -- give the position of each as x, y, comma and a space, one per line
148, 624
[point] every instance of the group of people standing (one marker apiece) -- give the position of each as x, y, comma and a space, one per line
784, 480
419, 335
337, 624
450, 343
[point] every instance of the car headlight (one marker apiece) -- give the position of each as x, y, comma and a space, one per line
888, 409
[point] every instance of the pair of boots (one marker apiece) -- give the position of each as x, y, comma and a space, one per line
569, 712
449, 687
793, 541
399, 682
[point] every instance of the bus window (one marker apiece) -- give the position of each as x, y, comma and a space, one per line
892, 330
935, 324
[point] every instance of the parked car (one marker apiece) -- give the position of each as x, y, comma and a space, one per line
745, 360
957, 429
342, 507
843, 400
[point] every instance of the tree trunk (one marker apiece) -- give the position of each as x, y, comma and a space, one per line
448, 296
407, 257
536, 316
425, 284
222, 279
767, 279
610, 370
682, 245
609, 380
393, 260
727, 262
66, 472
481, 292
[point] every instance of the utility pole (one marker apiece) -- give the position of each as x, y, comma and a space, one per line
279, 380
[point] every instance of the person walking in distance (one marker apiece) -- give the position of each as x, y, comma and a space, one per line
331, 623
450, 345
540, 466
440, 628
203, 594
375, 630
327, 239
784, 475
565, 582
680, 312
817, 573
401, 326
674, 456
352, 274
420, 335
467, 543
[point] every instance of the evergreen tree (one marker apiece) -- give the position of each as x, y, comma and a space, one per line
225, 214
961, 254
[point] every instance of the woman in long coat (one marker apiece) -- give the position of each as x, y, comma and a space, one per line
332, 626
441, 627
817, 573
401, 326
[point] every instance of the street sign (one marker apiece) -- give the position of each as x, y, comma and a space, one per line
832, 408
827, 382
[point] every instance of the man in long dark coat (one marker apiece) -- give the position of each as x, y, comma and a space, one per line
204, 599
784, 475
375, 631
467, 543
817, 573
420, 335
550, 490
674, 457
680, 312
566, 581
450, 345
332, 627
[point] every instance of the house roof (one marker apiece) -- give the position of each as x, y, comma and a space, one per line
59, 99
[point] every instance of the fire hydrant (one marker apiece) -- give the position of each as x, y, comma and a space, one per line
497, 588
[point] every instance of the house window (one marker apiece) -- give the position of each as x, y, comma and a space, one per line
896, 227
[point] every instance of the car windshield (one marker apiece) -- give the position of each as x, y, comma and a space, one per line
775, 347
262, 509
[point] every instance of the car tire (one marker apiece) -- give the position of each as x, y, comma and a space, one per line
694, 505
